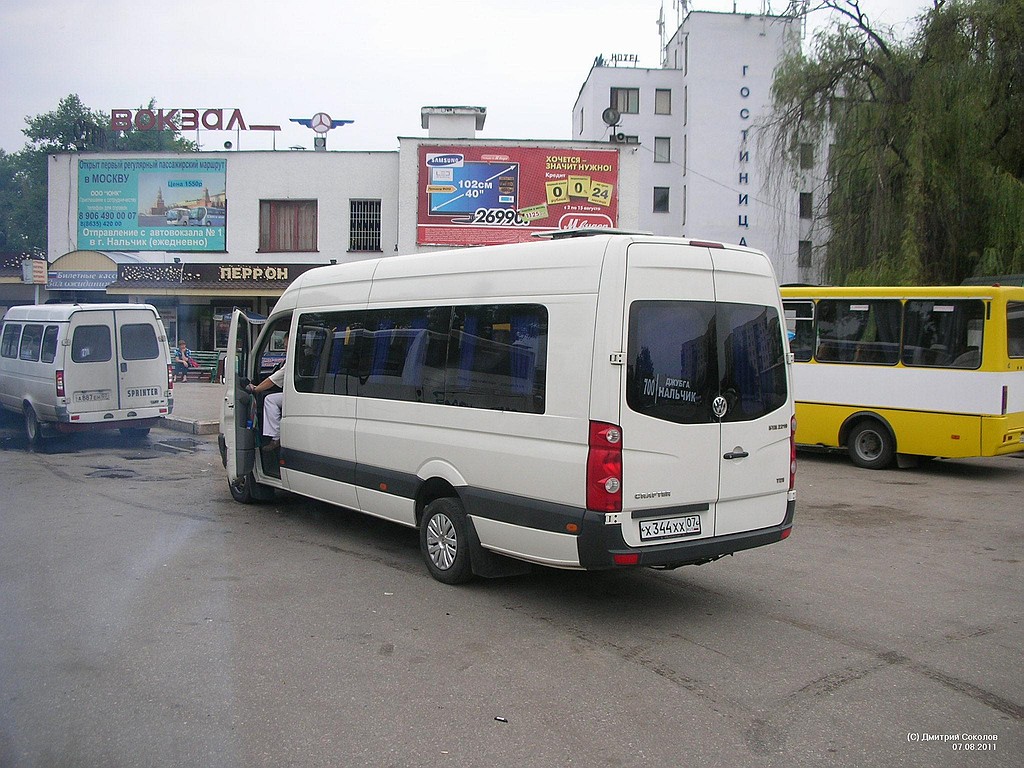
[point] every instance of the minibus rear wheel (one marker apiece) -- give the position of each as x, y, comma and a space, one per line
33, 429
444, 541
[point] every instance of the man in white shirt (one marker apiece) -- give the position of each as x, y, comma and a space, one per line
273, 403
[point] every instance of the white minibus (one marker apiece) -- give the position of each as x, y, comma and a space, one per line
589, 402
72, 367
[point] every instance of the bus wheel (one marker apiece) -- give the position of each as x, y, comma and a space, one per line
871, 446
33, 429
444, 541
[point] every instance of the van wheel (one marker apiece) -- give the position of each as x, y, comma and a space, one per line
33, 429
871, 446
247, 490
444, 541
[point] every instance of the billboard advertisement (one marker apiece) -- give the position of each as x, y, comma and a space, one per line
482, 195
172, 204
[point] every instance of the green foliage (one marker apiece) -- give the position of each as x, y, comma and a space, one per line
926, 170
71, 127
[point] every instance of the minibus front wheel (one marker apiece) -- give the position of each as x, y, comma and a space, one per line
444, 541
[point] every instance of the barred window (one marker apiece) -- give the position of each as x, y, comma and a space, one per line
364, 225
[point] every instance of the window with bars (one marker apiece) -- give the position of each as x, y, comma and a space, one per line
287, 225
364, 225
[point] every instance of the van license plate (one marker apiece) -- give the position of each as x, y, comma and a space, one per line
669, 527
92, 395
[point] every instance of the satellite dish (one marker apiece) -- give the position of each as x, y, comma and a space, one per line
611, 116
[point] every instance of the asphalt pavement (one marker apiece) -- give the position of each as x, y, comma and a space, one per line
196, 408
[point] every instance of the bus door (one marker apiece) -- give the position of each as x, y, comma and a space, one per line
235, 425
671, 441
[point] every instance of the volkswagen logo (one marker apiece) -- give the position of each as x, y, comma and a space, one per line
719, 406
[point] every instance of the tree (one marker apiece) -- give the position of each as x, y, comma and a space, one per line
71, 127
925, 176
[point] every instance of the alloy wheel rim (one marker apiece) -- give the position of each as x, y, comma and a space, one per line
442, 542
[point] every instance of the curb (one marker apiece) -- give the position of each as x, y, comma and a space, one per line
190, 426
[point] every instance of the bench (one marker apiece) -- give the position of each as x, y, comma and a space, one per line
209, 363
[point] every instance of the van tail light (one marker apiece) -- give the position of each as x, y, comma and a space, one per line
792, 453
604, 468
170, 376
59, 381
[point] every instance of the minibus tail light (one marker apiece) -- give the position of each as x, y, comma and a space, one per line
604, 468
170, 376
59, 380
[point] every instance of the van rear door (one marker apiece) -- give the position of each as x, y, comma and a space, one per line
671, 442
754, 382
91, 375
705, 421
142, 359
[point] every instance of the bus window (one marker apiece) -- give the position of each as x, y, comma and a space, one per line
943, 333
858, 331
800, 329
1015, 329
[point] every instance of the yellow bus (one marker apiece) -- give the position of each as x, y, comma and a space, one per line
895, 373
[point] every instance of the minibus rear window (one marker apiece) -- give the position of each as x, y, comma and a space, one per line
682, 354
138, 342
91, 344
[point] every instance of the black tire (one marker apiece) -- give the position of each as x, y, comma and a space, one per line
871, 445
445, 543
33, 429
241, 491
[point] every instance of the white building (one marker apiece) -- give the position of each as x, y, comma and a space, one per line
199, 233
703, 171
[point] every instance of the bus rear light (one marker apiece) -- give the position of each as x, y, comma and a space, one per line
785, 533
170, 376
59, 380
1005, 394
604, 468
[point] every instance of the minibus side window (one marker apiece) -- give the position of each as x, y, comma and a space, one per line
49, 350
11, 338
497, 357
1015, 329
671, 360
138, 342
327, 361
944, 333
31, 341
91, 344
403, 352
858, 331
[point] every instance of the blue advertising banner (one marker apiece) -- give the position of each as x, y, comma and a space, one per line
172, 204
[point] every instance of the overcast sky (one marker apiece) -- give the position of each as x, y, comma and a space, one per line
373, 61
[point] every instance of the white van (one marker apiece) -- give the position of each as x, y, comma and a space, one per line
591, 402
73, 367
